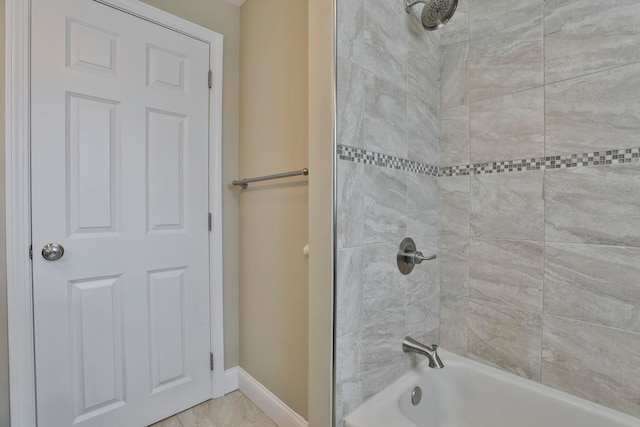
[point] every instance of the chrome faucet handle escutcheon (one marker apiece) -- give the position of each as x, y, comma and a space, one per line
408, 256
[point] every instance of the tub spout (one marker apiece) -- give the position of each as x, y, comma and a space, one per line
409, 345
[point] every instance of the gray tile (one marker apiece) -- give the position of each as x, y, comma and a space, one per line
509, 127
454, 83
419, 41
506, 338
350, 266
454, 265
424, 280
506, 62
595, 112
457, 29
583, 36
382, 358
423, 132
385, 203
507, 272
422, 320
507, 205
350, 204
424, 79
593, 362
385, 40
599, 205
454, 320
384, 287
492, 16
455, 205
385, 118
351, 99
423, 206
350, 26
422, 323
348, 383
454, 130
597, 284
234, 409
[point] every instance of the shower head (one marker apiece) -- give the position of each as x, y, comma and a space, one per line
435, 13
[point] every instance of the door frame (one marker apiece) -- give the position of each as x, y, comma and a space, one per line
18, 196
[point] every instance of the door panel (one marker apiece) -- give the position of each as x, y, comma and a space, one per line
91, 144
166, 69
97, 349
167, 322
91, 48
120, 179
165, 170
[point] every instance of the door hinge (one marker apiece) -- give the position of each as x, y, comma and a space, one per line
210, 222
30, 251
211, 360
210, 79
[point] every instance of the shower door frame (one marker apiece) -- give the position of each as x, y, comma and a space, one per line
18, 196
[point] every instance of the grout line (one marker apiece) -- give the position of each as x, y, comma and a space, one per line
544, 177
544, 47
544, 270
597, 325
467, 297
591, 73
468, 145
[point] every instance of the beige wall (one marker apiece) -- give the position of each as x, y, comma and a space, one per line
274, 215
4, 354
224, 18
321, 158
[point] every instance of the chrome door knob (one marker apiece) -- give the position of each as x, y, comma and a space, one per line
52, 251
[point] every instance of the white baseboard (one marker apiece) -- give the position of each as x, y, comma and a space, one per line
268, 402
230, 380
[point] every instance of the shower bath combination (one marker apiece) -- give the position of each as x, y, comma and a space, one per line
435, 13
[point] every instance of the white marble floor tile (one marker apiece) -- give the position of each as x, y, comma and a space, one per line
169, 422
232, 410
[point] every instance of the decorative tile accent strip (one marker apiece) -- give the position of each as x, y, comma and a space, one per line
359, 155
607, 157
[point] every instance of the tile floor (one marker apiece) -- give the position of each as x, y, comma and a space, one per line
232, 410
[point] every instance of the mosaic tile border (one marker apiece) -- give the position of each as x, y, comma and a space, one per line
607, 157
359, 155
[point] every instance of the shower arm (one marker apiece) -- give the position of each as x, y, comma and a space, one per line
408, 4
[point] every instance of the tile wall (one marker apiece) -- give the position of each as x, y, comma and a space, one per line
540, 260
388, 131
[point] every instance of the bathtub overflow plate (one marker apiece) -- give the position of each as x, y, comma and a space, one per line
416, 396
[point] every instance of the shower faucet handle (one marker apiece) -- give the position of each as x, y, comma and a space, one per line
408, 256
418, 257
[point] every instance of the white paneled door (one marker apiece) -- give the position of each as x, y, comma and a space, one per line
120, 131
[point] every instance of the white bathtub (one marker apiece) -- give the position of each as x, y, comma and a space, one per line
469, 394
